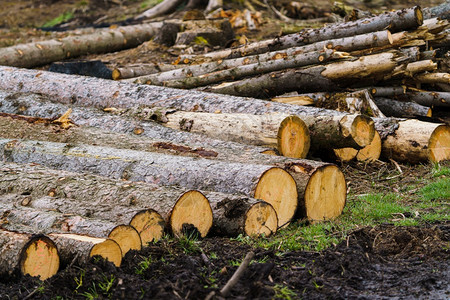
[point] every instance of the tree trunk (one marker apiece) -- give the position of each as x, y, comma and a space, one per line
160, 9
345, 44
400, 109
265, 182
188, 101
393, 21
330, 77
430, 99
35, 255
433, 78
296, 61
82, 248
140, 70
414, 141
103, 41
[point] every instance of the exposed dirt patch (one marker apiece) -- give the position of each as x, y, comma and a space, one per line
373, 263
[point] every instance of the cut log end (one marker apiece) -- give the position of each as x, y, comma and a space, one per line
363, 130
325, 194
278, 188
419, 15
439, 144
109, 250
149, 224
293, 138
371, 152
116, 74
429, 113
39, 258
261, 219
127, 237
191, 208
345, 154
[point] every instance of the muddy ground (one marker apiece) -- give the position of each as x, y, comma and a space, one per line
384, 262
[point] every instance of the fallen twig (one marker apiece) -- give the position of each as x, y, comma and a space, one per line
225, 291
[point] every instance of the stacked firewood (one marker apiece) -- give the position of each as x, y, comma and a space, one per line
101, 167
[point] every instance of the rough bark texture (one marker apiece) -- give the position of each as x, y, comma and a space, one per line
81, 248
296, 61
430, 99
41, 53
400, 109
345, 44
33, 255
413, 141
330, 77
47, 221
140, 70
259, 181
394, 21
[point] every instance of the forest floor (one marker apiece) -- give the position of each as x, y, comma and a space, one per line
402, 255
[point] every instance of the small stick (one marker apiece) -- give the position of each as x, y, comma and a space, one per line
235, 278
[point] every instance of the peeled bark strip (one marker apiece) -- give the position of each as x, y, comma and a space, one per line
271, 184
393, 21
275, 57
84, 247
140, 70
400, 109
414, 141
299, 60
33, 255
41, 53
126, 237
330, 77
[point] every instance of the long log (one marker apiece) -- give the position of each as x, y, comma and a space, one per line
134, 95
401, 109
33, 255
82, 248
288, 134
295, 61
373, 39
429, 98
329, 77
306, 173
41, 53
393, 21
414, 141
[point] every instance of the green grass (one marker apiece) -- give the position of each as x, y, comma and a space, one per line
64, 17
150, 3
410, 206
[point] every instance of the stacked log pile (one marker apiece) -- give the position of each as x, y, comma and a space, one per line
102, 167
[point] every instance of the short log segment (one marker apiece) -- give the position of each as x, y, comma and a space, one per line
394, 21
126, 237
41, 53
33, 255
414, 141
82, 248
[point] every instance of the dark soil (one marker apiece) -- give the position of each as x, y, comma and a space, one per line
385, 262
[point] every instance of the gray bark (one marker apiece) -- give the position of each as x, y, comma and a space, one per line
400, 109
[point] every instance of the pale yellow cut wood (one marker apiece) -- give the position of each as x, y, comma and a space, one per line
325, 194
345, 154
371, 152
127, 237
297, 100
40, 258
192, 208
439, 144
150, 225
361, 129
261, 218
278, 188
293, 138
109, 250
